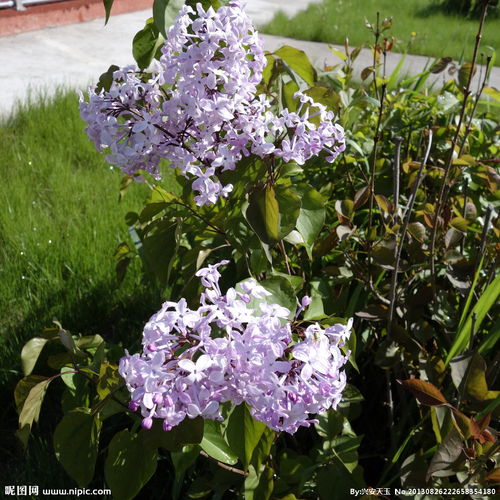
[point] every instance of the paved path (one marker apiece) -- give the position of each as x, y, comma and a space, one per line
76, 55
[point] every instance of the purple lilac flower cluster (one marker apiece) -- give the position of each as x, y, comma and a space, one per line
199, 109
239, 348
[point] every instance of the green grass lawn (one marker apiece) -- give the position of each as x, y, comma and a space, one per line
59, 225
419, 26
60, 222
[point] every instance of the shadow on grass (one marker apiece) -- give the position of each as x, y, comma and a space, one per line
117, 322
457, 9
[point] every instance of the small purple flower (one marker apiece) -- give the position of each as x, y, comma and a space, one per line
147, 423
236, 352
200, 109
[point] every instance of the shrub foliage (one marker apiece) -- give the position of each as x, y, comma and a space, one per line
400, 233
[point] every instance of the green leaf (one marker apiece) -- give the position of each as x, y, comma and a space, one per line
69, 377
335, 481
151, 210
289, 90
188, 432
297, 282
473, 368
459, 223
269, 70
68, 341
491, 339
395, 75
105, 81
215, 4
30, 353
159, 248
459, 366
215, 445
384, 204
345, 448
440, 65
263, 448
312, 215
295, 470
32, 405
345, 208
492, 92
339, 54
109, 380
488, 298
107, 7
325, 96
449, 451
281, 293
76, 442
249, 172
316, 310
366, 72
464, 74
23, 389
291, 169
289, 209
146, 43
298, 61
471, 294
263, 214
182, 461
164, 14
243, 433
330, 424
259, 485
130, 464
89, 342
127, 180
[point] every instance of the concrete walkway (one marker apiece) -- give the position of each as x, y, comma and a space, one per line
75, 55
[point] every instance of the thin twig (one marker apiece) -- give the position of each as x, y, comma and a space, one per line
484, 235
285, 256
476, 102
376, 141
464, 213
367, 281
472, 330
194, 212
207, 222
223, 465
399, 244
377, 36
111, 395
390, 404
395, 176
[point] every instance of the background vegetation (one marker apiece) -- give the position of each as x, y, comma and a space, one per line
59, 226
409, 248
423, 27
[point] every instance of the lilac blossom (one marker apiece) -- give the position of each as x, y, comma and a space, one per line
237, 348
199, 109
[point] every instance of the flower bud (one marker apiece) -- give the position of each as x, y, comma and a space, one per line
147, 423
132, 406
306, 301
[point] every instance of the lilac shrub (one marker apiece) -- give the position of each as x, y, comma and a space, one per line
199, 108
236, 347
